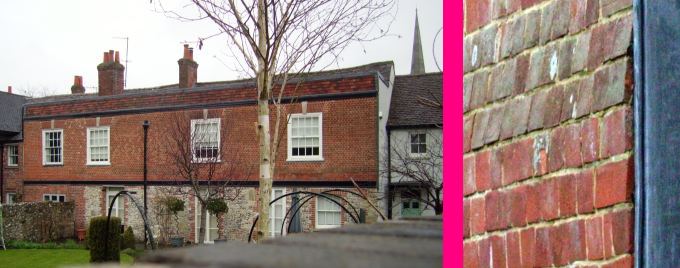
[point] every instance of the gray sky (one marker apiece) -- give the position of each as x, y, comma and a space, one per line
45, 43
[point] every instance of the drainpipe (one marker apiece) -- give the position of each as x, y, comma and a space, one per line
389, 175
145, 125
2, 173
638, 129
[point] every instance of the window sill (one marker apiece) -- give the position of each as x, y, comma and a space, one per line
98, 164
419, 156
206, 161
296, 159
12, 166
322, 227
53, 165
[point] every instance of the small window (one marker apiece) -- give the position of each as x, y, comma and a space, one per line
12, 155
11, 198
117, 210
205, 139
418, 143
53, 147
305, 139
54, 198
276, 212
327, 213
98, 149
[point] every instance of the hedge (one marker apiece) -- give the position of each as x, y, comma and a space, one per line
96, 235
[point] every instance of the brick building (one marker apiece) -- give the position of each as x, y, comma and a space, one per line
548, 161
86, 147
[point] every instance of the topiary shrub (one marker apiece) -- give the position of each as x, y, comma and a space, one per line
128, 239
96, 236
216, 206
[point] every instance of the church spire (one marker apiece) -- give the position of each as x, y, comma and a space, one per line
417, 63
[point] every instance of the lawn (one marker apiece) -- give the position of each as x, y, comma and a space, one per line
48, 257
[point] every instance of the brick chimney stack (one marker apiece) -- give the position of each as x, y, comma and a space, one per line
9, 89
187, 68
111, 74
77, 87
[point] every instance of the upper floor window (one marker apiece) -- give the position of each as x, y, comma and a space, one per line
98, 149
54, 197
205, 139
305, 139
418, 143
53, 141
12, 155
327, 213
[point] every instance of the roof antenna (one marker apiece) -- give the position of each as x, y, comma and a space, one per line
127, 43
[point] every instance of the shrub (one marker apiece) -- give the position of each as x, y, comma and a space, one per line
68, 244
216, 206
96, 236
174, 204
128, 239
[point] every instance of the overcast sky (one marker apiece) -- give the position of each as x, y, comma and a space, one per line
46, 42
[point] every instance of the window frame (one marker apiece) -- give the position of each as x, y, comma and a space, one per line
291, 157
54, 195
7, 198
89, 161
272, 219
193, 123
316, 215
197, 222
9, 155
120, 205
61, 152
410, 144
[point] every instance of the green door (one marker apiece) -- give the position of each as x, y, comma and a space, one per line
410, 208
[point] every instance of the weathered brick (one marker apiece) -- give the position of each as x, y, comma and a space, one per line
518, 207
479, 89
565, 55
484, 252
496, 218
479, 128
594, 238
493, 128
612, 85
579, 61
619, 225
553, 107
559, 241
487, 44
466, 218
516, 117
622, 41
549, 199
470, 53
513, 253
569, 100
537, 74
584, 103
467, 92
529, 3
521, 72
501, 8
517, 160
537, 111
467, 132
469, 175
477, 14
600, 45
556, 149
532, 29
540, 161
470, 257
498, 251
532, 198
528, 242
502, 79
572, 146
483, 171
624, 262
543, 257
495, 161
512, 41
610, 7
614, 183
547, 19
585, 189
561, 19
576, 241
567, 188
617, 132
477, 216
583, 13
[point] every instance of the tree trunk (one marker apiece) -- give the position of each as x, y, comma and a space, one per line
438, 208
263, 131
201, 225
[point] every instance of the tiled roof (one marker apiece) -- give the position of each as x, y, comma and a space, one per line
382, 68
415, 100
10, 115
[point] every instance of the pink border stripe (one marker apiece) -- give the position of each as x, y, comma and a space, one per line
453, 133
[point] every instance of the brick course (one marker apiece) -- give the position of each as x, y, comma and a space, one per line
553, 186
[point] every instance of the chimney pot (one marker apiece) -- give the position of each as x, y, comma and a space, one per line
187, 68
77, 87
117, 58
111, 75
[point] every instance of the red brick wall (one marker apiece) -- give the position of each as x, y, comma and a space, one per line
548, 158
349, 144
12, 175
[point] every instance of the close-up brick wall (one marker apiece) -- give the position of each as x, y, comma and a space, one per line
548, 161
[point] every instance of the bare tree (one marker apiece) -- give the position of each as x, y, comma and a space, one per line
195, 152
421, 171
274, 40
